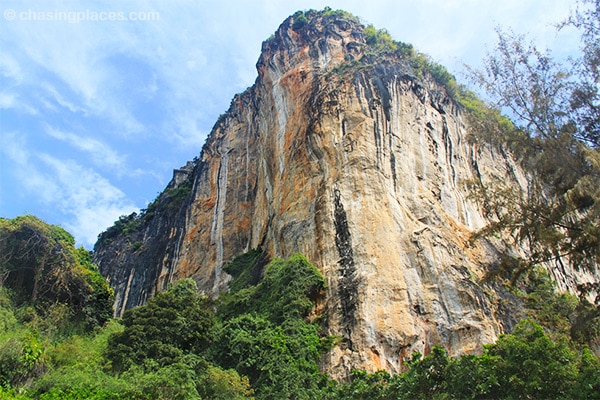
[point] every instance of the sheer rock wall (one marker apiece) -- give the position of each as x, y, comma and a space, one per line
358, 164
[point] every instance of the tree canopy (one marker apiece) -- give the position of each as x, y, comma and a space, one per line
40, 264
555, 109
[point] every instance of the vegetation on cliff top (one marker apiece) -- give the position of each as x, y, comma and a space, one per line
379, 46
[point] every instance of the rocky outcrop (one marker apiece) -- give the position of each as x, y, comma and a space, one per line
353, 159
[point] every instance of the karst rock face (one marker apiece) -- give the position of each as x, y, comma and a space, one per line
354, 161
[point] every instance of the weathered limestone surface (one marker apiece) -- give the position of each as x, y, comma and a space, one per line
364, 171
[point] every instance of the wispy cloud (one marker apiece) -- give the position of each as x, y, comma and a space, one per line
11, 101
77, 56
56, 97
101, 153
9, 67
88, 202
13, 146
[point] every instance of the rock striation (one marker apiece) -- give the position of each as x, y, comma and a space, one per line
359, 162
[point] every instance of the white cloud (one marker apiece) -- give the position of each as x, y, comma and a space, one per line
7, 100
101, 154
59, 99
14, 148
11, 101
89, 200
35, 182
9, 67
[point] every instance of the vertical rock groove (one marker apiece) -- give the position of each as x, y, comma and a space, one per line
219, 214
348, 282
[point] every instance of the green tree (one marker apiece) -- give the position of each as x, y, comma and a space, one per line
426, 378
172, 324
41, 266
585, 95
588, 378
530, 365
472, 377
555, 217
379, 385
281, 361
265, 334
162, 350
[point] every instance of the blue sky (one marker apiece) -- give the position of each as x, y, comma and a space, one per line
100, 101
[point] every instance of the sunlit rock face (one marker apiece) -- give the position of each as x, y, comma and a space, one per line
358, 164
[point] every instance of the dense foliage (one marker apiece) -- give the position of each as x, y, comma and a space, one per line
526, 364
42, 268
265, 333
262, 340
170, 326
177, 347
162, 364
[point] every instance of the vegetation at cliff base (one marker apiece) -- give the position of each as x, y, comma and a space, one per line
258, 341
263, 340
42, 270
526, 364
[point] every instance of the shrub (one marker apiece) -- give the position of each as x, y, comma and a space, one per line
82, 381
288, 290
245, 270
300, 21
219, 384
20, 359
379, 40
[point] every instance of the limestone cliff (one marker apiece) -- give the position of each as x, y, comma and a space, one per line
354, 159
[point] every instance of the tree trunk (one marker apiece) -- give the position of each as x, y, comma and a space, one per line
37, 275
